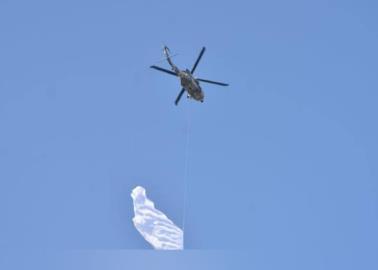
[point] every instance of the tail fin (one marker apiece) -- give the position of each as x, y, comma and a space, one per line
166, 52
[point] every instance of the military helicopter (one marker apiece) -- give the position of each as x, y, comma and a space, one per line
188, 82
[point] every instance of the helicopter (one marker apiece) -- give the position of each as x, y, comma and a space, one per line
189, 83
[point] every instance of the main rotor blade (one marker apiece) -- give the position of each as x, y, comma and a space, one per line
213, 82
198, 59
179, 96
164, 70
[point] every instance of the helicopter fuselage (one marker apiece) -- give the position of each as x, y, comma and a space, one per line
191, 85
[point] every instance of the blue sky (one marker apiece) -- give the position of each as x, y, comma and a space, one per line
282, 164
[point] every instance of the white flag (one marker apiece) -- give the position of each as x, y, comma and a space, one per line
153, 225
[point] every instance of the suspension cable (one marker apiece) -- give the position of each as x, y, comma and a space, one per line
186, 167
